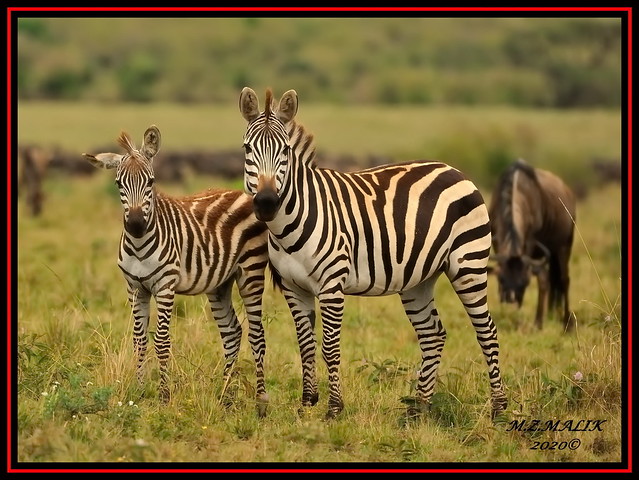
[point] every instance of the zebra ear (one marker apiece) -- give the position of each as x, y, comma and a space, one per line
104, 160
249, 104
288, 106
151, 143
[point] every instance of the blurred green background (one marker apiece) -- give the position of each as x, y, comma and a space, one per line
533, 62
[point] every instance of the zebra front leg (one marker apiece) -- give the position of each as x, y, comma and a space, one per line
140, 301
162, 341
252, 299
230, 330
302, 307
419, 305
331, 305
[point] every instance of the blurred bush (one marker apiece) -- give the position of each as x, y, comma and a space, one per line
537, 62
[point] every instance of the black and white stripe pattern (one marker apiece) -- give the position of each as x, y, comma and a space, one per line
191, 245
385, 230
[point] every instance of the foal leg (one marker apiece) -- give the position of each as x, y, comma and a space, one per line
164, 301
228, 325
140, 301
251, 290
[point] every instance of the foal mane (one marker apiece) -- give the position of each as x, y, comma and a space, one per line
125, 141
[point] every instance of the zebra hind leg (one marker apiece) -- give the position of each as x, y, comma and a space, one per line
472, 291
230, 332
419, 305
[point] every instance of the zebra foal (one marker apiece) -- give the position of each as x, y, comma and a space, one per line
384, 230
188, 245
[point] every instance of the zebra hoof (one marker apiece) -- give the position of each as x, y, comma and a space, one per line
334, 409
310, 400
262, 405
416, 408
498, 407
165, 395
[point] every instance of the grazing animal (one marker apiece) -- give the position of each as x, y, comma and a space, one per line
380, 231
35, 162
532, 213
189, 245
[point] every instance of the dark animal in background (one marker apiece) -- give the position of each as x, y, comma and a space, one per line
33, 167
532, 215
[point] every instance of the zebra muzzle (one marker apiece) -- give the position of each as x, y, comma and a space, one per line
266, 204
135, 224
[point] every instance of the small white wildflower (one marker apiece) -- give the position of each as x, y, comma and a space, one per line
578, 376
119, 404
75, 416
44, 394
130, 402
56, 382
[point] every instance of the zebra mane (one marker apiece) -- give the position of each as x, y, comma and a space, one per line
125, 141
303, 143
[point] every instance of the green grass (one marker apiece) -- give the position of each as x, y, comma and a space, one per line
78, 399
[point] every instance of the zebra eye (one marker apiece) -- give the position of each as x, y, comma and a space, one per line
247, 148
118, 183
286, 150
150, 182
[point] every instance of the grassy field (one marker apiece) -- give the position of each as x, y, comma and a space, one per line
78, 400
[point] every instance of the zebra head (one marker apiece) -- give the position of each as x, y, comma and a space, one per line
134, 178
267, 149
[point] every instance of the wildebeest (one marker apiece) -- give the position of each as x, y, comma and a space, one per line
532, 215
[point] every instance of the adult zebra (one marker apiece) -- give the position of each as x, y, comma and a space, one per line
385, 230
190, 245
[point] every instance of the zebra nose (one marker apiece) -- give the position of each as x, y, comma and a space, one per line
135, 223
265, 204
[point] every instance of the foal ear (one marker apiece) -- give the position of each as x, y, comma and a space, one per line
288, 107
249, 104
104, 160
151, 143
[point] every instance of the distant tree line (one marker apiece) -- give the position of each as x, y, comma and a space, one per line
532, 62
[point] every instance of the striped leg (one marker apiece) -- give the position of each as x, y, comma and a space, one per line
419, 305
331, 305
472, 291
228, 325
302, 308
140, 306
251, 294
164, 301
